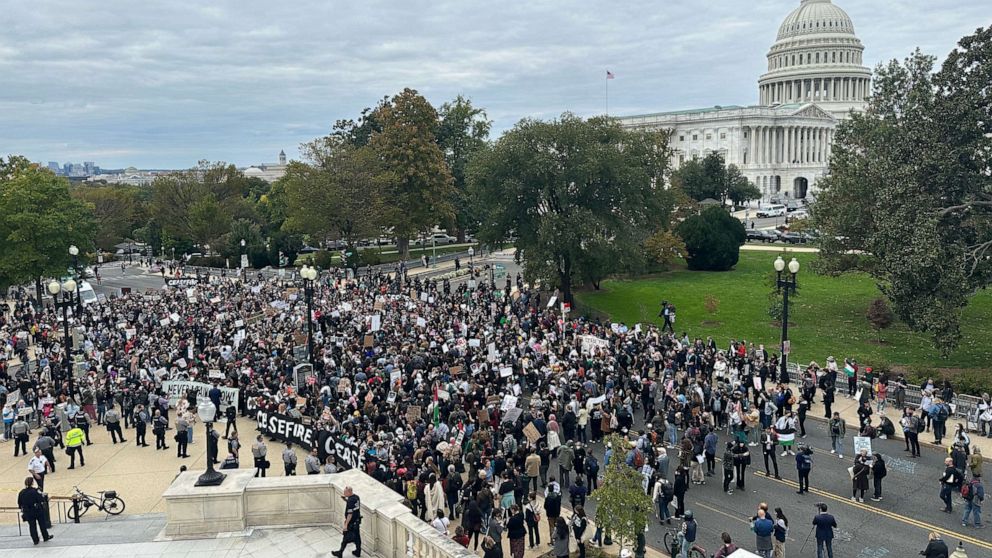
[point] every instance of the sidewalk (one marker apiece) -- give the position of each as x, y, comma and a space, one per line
848, 409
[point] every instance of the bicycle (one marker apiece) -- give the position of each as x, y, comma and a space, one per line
108, 502
673, 544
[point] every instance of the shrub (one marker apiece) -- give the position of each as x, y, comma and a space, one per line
879, 315
712, 239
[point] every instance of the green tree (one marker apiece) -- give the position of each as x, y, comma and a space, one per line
910, 187
712, 239
622, 507
414, 177
580, 195
40, 221
710, 177
117, 211
185, 202
462, 132
334, 193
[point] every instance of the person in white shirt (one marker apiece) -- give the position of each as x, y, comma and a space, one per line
440, 523
38, 467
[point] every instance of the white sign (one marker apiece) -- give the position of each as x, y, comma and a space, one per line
376, 322
244, 261
860, 443
175, 389
590, 343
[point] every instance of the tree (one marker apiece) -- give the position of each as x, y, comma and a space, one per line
198, 205
622, 507
910, 187
579, 195
334, 193
411, 171
665, 248
879, 315
40, 221
117, 211
711, 177
712, 239
462, 132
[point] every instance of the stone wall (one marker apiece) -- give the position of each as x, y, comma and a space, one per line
243, 502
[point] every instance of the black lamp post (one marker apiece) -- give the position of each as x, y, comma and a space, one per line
309, 274
786, 284
74, 252
67, 301
244, 268
211, 477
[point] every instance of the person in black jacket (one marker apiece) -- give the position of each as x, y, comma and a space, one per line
936, 548
32, 504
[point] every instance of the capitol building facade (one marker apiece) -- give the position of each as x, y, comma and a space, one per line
815, 78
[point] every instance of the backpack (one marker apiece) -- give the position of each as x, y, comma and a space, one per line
638, 458
942, 412
411, 490
967, 492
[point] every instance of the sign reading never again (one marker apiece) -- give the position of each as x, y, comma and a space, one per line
285, 429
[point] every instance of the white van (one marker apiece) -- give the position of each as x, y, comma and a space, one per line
773, 210
86, 293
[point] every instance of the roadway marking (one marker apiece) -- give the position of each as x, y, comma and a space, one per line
891, 515
734, 517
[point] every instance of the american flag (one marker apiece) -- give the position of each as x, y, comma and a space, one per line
609, 75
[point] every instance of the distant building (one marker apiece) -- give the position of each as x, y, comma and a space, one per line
815, 78
269, 172
54, 167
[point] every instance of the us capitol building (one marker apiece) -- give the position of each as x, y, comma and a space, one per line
815, 78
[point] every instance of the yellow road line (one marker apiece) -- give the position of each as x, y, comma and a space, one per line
891, 515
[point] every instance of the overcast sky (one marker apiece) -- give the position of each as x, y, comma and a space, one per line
163, 84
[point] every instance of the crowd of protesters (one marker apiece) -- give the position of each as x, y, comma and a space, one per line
438, 386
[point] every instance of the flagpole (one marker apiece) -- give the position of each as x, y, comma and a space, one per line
607, 94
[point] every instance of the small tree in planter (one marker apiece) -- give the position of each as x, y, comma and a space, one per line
622, 507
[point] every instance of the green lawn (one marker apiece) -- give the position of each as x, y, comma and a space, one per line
827, 318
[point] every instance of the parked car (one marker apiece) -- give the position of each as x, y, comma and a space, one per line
439, 239
760, 235
791, 237
772, 210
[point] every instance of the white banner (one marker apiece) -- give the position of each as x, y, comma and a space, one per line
175, 389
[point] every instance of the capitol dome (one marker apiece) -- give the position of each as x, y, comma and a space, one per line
817, 58
814, 17
254, 172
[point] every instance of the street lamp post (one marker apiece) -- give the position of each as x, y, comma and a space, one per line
68, 291
74, 252
309, 275
208, 413
241, 264
786, 284
471, 271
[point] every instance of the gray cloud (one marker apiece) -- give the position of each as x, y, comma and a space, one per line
162, 84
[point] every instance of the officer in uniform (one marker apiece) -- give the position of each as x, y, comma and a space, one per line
352, 523
32, 505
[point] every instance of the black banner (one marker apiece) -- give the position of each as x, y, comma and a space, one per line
285, 429
348, 456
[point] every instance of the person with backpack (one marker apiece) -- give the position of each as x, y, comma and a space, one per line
552, 509
662, 495
592, 471
940, 411
804, 464
728, 468
837, 428
974, 494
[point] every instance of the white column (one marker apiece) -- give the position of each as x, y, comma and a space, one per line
788, 144
757, 145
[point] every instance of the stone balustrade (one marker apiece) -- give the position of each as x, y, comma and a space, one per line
244, 502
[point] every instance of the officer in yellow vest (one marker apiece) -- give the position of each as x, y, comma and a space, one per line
74, 440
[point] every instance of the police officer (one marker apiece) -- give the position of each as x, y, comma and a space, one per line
21, 431
141, 419
289, 459
74, 446
112, 418
32, 505
46, 444
38, 467
312, 463
352, 523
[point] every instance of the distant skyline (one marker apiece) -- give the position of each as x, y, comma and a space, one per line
165, 84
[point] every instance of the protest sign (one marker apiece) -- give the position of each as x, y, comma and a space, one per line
346, 453
860, 443
532, 433
413, 413
483, 416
